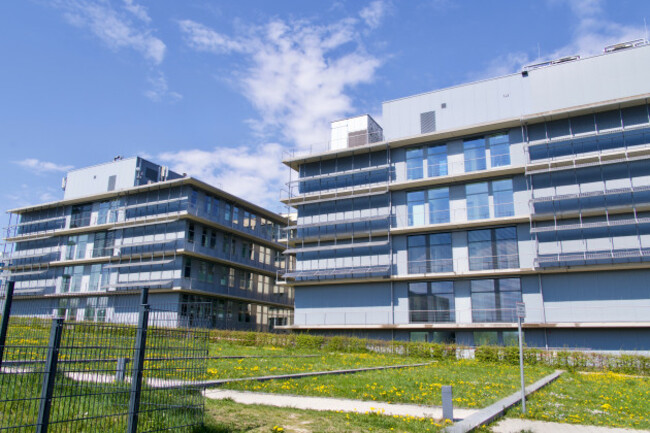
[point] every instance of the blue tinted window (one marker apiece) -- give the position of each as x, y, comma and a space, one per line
416, 208
499, 150
414, 163
438, 205
477, 201
474, 153
503, 200
437, 161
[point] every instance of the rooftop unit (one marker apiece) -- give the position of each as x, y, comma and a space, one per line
355, 132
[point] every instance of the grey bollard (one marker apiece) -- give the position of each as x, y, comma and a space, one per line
120, 372
447, 403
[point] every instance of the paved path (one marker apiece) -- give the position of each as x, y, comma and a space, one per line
517, 425
334, 404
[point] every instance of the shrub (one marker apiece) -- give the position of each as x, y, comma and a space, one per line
306, 341
487, 354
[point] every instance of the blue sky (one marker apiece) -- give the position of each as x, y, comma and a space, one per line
221, 89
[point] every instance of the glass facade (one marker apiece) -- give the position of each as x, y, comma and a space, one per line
495, 300
430, 253
493, 249
478, 201
431, 302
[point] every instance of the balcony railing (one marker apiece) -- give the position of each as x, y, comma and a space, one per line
461, 265
430, 170
422, 216
586, 312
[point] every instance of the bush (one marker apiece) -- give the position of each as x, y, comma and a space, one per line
487, 354
306, 341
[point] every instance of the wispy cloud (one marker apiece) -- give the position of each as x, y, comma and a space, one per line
115, 26
374, 13
123, 24
593, 31
297, 75
39, 166
251, 172
159, 90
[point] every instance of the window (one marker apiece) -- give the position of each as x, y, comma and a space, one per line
431, 302
493, 249
235, 215
213, 239
430, 253
187, 271
495, 300
80, 215
204, 237
477, 195
227, 212
474, 153
438, 205
414, 162
103, 244
503, 199
190, 232
416, 208
437, 161
499, 149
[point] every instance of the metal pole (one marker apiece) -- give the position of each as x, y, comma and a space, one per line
521, 367
49, 376
6, 312
138, 362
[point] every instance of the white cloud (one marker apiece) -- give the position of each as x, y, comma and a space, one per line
115, 27
298, 73
159, 90
254, 173
593, 31
374, 13
39, 166
138, 11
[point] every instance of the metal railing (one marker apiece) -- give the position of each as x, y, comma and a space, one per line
423, 216
569, 312
462, 265
428, 170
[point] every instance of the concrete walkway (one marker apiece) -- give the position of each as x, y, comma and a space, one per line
333, 404
517, 425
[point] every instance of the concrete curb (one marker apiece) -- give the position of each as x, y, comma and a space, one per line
497, 409
210, 383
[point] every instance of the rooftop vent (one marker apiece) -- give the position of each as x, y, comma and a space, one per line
550, 63
625, 45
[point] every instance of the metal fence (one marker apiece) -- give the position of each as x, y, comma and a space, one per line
61, 375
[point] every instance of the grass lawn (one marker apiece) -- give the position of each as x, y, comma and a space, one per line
475, 385
604, 399
225, 416
273, 365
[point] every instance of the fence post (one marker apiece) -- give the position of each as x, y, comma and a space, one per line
138, 362
6, 312
120, 371
447, 403
49, 376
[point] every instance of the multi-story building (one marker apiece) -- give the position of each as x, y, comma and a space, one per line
205, 254
530, 187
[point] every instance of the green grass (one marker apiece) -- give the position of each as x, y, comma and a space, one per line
251, 367
474, 384
226, 416
607, 399
84, 407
